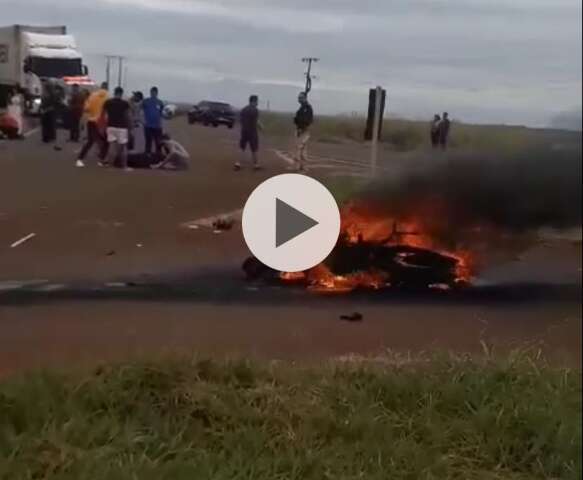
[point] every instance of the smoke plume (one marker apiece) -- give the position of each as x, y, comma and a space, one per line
490, 201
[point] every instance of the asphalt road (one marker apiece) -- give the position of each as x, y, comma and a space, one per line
112, 272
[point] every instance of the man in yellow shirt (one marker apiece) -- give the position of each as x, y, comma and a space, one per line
93, 111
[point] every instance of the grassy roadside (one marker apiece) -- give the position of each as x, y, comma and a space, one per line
407, 135
444, 418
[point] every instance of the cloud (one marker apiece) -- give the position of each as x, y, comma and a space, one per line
514, 61
281, 17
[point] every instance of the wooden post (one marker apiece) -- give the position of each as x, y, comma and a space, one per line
375, 132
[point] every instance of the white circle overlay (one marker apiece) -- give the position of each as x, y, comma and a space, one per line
309, 197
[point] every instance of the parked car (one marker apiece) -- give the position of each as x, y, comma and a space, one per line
212, 113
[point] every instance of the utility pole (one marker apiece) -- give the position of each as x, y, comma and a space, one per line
107, 68
309, 61
120, 68
120, 72
375, 131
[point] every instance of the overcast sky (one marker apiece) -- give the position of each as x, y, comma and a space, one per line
487, 61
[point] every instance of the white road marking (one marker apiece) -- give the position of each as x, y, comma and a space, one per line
284, 156
22, 240
208, 222
18, 284
31, 132
52, 287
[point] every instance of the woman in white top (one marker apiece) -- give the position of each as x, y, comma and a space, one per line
15, 105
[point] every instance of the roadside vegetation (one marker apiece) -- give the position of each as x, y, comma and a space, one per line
406, 135
432, 418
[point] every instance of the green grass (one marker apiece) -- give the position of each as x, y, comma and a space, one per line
445, 418
405, 135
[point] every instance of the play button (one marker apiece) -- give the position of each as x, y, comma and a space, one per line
291, 222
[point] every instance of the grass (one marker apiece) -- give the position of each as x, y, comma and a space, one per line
405, 135
445, 418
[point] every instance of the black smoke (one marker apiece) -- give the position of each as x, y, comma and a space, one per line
470, 198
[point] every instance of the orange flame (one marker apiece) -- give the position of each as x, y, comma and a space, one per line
361, 224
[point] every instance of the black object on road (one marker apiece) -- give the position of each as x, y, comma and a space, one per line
353, 317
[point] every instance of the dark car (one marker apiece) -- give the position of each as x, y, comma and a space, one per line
212, 113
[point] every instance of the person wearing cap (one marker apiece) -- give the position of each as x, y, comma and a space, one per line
303, 120
136, 142
117, 113
94, 111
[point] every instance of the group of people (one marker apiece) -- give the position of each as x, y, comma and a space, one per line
250, 127
439, 131
115, 125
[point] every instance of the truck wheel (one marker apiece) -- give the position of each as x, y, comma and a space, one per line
230, 125
215, 125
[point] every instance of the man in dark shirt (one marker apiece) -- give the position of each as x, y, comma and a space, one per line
303, 120
117, 112
76, 105
444, 127
250, 125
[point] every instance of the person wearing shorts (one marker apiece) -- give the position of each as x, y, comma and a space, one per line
117, 113
250, 126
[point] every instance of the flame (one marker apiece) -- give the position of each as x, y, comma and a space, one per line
417, 227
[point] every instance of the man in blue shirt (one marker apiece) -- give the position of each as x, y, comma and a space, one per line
152, 108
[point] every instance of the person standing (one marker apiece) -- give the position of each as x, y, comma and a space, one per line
153, 108
117, 113
444, 127
93, 111
76, 105
250, 126
303, 120
434, 131
48, 112
137, 142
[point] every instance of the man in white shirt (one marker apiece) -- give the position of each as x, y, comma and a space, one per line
175, 156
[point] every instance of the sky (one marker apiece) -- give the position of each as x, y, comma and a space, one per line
484, 61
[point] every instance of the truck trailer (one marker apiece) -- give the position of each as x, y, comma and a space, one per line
31, 55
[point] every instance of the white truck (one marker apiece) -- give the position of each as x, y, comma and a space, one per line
30, 55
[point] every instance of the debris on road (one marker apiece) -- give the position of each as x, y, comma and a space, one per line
23, 240
224, 221
353, 317
223, 224
110, 253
